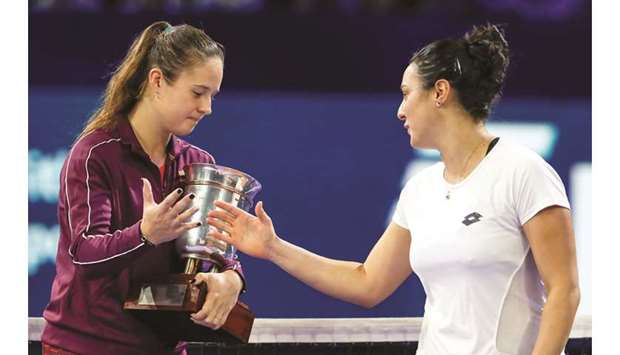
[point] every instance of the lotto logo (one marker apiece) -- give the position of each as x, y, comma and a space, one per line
471, 218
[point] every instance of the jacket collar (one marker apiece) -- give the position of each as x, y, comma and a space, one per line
128, 137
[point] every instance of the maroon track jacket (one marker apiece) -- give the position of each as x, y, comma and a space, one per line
100, 252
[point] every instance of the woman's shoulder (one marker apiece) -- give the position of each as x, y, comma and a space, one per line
94, 144
517, 155
521, 163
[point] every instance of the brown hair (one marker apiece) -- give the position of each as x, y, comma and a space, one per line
169, 48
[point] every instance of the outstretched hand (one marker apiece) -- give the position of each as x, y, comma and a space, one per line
251, 235
165, 221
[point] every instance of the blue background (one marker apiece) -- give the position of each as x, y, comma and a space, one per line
312, 116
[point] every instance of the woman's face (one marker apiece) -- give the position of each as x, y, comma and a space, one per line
417, 109
188, 99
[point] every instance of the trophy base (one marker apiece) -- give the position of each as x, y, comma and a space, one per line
166, 303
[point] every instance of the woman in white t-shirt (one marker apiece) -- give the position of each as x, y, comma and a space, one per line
487, 230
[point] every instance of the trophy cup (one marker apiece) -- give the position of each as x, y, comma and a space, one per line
166, 302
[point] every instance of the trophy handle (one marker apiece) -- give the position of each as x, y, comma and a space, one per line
191, 266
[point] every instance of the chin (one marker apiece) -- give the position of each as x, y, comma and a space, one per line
183, 132
417, 144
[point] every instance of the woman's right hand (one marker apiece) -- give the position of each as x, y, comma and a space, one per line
254, 236
165, 221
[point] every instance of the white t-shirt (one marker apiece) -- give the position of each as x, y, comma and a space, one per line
484, 292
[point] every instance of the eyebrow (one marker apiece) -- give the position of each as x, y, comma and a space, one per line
206, 88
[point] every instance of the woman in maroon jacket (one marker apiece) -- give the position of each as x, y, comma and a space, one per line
118, 208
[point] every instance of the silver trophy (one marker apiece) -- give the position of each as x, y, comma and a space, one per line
209, 183
166, 301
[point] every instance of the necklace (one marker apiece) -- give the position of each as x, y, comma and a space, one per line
464, 167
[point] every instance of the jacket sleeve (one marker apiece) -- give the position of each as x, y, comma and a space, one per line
95, 247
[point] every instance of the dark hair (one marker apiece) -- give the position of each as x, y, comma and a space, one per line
169, 48
475, 65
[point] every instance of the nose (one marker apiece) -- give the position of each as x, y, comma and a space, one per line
400, 114
204, 108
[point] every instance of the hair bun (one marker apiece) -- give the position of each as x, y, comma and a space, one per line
488, 48
486, 34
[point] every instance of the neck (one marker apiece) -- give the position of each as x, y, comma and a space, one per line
151, 137
462, 147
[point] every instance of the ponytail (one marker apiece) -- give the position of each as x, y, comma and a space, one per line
127, 82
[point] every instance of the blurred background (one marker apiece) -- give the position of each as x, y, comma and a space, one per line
308, 107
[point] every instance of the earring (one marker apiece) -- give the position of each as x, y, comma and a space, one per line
438, 104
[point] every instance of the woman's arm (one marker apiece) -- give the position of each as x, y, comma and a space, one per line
95, 247
365, 284
551, 238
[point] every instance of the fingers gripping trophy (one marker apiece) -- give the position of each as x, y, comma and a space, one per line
166, 302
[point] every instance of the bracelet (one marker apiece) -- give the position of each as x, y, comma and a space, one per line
146, 241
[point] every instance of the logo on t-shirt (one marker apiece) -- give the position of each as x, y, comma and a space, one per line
471, 218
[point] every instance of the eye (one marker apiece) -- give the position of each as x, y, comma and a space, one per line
197, 94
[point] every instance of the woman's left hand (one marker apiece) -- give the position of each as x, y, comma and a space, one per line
222, 293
